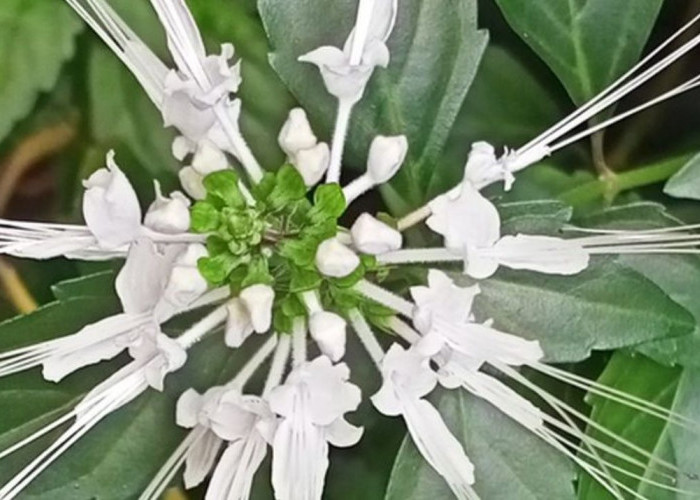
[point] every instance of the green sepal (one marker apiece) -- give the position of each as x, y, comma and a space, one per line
388, 219
351, 279
301, 251
303, 279
235, 279
292, 306
217, 268
281, 322
258, 273
289, 186
329, 203
216, 245
321, 231
204, 218
261, 191
224, 186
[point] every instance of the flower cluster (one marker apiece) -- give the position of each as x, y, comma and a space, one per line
266, 253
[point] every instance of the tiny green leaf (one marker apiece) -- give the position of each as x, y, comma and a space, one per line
258, 273
217, 268
289, 186
329, 203
204, 218
304, 279
224, 186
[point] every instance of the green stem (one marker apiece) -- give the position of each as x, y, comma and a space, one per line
610, 186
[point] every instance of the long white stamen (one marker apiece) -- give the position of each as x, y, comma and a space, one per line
340, 132
385, 298
403, 330
299, 332
166, 474
203, 327
418, 255
279, 363
366, 336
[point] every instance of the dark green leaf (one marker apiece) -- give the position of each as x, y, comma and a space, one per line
645, 379
510, 462
435, 53
608, 306
677, 275
204, 218
588, 44
685, 183
38, 38
224, 186
329, 203
289, 187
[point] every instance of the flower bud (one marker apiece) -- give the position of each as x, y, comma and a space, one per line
373, 237
296, 134
335, 259
386, 154
192, 183
110, 206
312, 163
186, 283
258, 301
238, 323
169, 215
328, 330
208, 158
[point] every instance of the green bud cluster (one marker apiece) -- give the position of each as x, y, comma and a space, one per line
272, 238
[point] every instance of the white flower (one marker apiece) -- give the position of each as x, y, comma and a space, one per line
110, 207
258, 300
335, 259
169, 215
374, 237
329, 331
407, 379
221, 414
386, 155
483, 167
296, 134
185, 284
471, 227
443, 316
311, 405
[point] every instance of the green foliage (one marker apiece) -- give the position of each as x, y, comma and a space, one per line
587, 44
38, 38
510, 461
435, 68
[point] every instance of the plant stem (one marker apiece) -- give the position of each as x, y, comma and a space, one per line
611, 186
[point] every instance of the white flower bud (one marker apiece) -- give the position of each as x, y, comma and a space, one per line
208, 158
191, 182
372, 236
312, 163
335, 259
169, 215
386, 154
186, 284
329, 331
238, 323
258, 300
296, 134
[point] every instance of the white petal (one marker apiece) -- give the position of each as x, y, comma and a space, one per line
192, 183
299, 461
335, 259
342, 434
233, 476
373, 237
439, 447
201, 458
386, 155
312, 163
169, 215
329, 332
238, 323
208, 158
110, 206
142, 280
258, 299
296, 134
542, 254
187, 409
